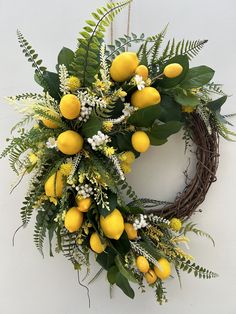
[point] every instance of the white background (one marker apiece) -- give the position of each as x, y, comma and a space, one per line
31, 285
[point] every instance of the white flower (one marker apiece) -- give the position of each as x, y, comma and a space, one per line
98, 141
139, 82
51, 143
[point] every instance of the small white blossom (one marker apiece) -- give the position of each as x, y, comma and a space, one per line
98, 141
51, 143
140, 222
84, 190
139, 82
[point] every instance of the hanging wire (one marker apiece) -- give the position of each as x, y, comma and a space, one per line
112, 30
128, 23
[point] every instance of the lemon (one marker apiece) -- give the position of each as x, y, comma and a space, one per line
150, 277
149, 96
123, 66
84, 204
165, 269
70, 106
142, 70
96, 244
73, 83
54, 185
142, 264
173, 70
113, 224
140, 141
175, 224
131, 232
73, 219
49, 123
70, 142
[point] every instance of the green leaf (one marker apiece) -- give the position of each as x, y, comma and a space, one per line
145, 117
170, 110
124, 285
111, 274
123, 270
163, 131
66, 57
106, 259
112, 200
53, 84
216, 105
122, 246
172, 82
197, 77
187, 99
124, 141
91, 127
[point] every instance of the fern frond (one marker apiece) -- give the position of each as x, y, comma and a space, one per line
27, 119
191, 227
160, 292
31, 55
39, 236
214, 88
87, 55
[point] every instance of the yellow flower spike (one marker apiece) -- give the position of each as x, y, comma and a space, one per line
187, 109
109, 151
107, 126
66, 169
175, 224
73, 83
33, 158
53, 200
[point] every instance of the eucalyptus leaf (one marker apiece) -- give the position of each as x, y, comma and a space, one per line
124, 285
197, 77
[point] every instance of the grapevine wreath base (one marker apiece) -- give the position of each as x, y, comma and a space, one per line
101, 109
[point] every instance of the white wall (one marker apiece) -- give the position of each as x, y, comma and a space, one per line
31, 285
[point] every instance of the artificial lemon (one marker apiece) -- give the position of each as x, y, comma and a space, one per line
73, 83
142, 264
165, 269
70, 106
73, 219
113, 224
131, 232
142, 70
54, 185
123, 66
149, 96
175, 224
96, 244
49, 123
70, 142
140, 141
150, 277
173, 70
84, 204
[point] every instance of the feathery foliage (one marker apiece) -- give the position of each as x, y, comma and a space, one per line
191, 227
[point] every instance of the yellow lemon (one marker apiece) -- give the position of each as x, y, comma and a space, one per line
96, 244
175, 224
70, 142
123, 66
84, 204
54, 185
173, 70
113, 224
70, 106
165, 269
151, 277
142, 70
149, 96
140, 141
142, 264
49, 123
73, 83
73, 219
131, 232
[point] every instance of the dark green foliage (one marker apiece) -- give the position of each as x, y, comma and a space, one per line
216, 105
197, 77
146, 116
92, 126
66, 56
170, 110
86, 62
160, 292
158, 134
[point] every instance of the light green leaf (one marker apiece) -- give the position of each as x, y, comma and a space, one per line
197, 77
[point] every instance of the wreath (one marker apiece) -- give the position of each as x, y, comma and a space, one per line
101, 109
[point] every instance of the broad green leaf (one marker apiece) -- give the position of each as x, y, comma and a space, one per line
91, 127
112, 200
145, 117
197, 77
186, 99
163, 131
124, 285
170, 110
66, 57
122, 246
172, 82
124, 271
217, 104
111, 274
106, 259
53, 84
